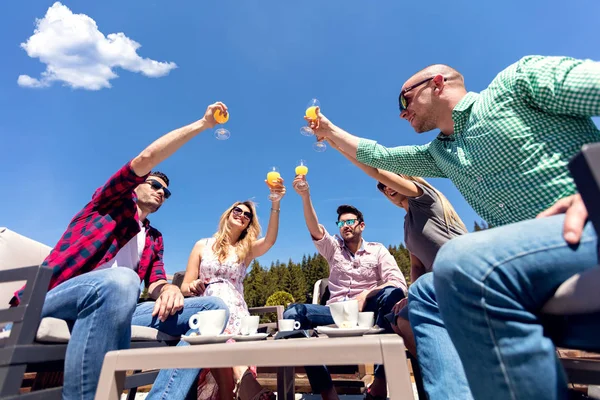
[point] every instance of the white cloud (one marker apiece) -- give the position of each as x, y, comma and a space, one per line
77, 53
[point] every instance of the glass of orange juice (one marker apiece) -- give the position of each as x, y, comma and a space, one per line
272, 178
311, 114
302, 169
221, 118
311, 108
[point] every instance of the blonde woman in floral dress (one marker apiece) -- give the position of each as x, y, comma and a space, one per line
217, 267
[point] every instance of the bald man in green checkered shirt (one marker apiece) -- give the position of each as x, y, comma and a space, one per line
506, 149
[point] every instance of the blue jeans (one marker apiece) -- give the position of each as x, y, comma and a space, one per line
313, 315
99, 306
176, 383
441, 369
491, 286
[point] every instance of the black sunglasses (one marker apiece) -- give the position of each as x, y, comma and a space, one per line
156, 185
238, 211
402, 101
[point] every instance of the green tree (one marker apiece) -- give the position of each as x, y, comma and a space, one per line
279, 298
402, 257
254, 285
296, 282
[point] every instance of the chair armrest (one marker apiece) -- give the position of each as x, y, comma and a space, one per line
268, 309
26, 316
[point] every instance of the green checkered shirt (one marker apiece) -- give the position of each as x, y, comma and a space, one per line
511, 144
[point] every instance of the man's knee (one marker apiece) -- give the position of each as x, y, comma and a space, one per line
293, 311
120, 285
392, 295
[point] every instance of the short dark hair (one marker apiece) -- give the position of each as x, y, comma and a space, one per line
347, 209
160, 175
381, 187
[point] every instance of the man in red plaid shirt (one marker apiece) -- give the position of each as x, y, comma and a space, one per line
100, 260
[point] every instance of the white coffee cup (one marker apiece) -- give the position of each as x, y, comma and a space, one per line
249, 324
366, 319
208, 323
345, 313
286, 325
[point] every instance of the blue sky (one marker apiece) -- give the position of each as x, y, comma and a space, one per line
264, 59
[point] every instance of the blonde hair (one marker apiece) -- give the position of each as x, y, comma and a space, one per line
451, 217
244, 244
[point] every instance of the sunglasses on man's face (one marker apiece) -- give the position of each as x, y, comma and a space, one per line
348, 222
156, 185
403, 101
238, 211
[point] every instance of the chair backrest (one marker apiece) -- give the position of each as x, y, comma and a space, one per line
178, 278
579, 293
17, 251
321, 291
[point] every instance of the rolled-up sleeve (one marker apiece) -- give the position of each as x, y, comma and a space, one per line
407, 160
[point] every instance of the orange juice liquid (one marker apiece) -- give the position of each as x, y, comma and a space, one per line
272, 177
301, 170
311, 112
220, 117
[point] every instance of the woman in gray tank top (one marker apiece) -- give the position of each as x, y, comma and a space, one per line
429, 223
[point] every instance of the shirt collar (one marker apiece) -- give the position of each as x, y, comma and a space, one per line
460, 115
362, 248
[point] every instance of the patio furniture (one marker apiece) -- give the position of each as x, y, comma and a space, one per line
376, 349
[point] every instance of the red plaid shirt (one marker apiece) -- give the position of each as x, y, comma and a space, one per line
100, 230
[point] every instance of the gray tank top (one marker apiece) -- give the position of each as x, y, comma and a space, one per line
424, 227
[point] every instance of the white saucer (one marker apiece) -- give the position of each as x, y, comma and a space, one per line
249, 338
206, 339
373, 331
342, 332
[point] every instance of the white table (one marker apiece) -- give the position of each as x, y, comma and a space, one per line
369, 349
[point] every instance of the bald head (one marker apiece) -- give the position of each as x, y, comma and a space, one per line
429, 96
452, 76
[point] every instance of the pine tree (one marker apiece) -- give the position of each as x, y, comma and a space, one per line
296, 284
254, 285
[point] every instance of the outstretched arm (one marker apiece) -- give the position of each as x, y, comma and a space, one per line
165, 146
401, 185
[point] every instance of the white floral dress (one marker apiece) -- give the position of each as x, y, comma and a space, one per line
225, 281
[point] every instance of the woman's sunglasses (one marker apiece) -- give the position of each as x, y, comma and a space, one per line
238, 211
156, 185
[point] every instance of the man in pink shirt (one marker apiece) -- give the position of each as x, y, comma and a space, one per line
358, 270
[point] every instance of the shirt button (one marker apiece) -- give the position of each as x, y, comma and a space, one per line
501, 205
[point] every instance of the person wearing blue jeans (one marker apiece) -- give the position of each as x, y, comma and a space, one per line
490, 288
108, 249
100, 307
313, 315
358, 270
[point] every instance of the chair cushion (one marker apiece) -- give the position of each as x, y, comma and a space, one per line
577, 295
54, 330
17, 251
